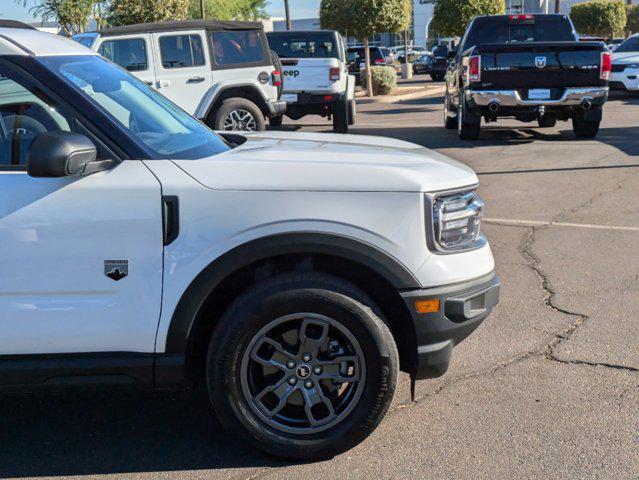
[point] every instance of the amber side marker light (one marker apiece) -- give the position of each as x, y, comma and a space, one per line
427, 306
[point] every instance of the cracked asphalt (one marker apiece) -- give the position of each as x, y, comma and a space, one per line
548, 387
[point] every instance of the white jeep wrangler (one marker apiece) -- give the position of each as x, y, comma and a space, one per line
295, 273
315, 77
221, 72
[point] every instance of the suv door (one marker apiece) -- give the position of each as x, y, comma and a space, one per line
183, 68
134, 53
81, 256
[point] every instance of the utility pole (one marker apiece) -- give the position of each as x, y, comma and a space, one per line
288, 15
557, 6
202, 9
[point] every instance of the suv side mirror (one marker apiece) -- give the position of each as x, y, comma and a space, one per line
61, 154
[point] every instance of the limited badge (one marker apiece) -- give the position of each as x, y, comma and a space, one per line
116, 269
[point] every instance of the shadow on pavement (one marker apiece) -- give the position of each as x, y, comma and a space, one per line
116, 432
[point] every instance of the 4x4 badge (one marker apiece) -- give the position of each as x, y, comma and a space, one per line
116, 269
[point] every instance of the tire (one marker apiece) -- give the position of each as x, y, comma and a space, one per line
585, 129
450, 120
340, 116
276, 121
437, 77
547, 121
467, 128
238, 114
352, 112
250, 335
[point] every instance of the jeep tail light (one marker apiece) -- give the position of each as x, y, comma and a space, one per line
474, 68
277, 78
335, 74
606, 65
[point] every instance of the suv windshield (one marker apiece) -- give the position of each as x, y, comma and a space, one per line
304, 45
630, 45
502, 29
163, 128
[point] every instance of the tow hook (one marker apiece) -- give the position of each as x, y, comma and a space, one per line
542, 110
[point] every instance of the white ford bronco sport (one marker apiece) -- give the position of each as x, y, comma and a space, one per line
315, 77
297, 274
220, 72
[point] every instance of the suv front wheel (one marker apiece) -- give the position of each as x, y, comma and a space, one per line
238, 114
303, 365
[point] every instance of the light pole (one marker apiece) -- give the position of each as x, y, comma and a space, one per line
288, 15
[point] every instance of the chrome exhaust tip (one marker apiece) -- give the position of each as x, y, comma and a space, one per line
494, 107
586, 104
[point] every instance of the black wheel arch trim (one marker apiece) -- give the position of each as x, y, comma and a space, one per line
193, 298
260, 93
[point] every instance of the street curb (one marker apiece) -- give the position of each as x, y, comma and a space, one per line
429, 92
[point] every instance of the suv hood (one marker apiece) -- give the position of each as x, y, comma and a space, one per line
284, 161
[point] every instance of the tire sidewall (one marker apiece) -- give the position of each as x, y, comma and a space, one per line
224, 382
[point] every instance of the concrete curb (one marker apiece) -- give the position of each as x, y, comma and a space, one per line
428, 92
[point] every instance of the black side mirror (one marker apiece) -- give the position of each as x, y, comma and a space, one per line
62, 154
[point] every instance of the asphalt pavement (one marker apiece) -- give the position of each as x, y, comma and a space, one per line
548, 387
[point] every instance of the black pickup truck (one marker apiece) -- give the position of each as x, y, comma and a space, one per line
530, 67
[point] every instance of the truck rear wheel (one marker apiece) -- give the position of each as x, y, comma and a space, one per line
340, 116
302, 364
468, 126
239, 114
547, 121
585, 128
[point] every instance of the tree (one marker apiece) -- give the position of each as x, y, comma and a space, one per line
451, 17
72, 15
603, 18
364, 18
228, 9
126, 12
632, 14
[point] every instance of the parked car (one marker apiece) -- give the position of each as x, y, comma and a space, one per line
439, 64
295, 274
625, 65
357, 63
315, 77
614, 43
422, 63
530, 67
221, 72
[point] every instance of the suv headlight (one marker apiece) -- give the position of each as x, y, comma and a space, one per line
456, 222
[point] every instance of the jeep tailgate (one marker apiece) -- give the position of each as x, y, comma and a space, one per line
540, 65
309, 75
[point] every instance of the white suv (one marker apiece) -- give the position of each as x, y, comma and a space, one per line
295, 273
220, 72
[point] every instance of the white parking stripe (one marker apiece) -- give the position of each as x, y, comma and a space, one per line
537, 223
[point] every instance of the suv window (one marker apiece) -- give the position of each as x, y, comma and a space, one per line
25, 112
242, 46
129, 53
306, 45
180, 51
630, 45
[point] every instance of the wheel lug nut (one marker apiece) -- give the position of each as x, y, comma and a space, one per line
290, 364
292, 380
306, 357
317, 370
308, 384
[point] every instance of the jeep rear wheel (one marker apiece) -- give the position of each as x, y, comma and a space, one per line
238, 114
303, 365
340, 116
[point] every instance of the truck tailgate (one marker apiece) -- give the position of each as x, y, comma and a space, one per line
308, 74
540, 65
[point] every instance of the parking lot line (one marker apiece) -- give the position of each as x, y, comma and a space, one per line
537, 223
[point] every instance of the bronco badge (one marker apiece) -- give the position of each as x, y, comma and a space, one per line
116, 269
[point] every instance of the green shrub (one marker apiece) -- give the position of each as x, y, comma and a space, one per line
384, 80
451, 17
603, 18
632, 12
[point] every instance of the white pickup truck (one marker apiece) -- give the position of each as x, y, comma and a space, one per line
315, 77
294, 274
